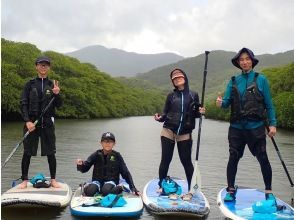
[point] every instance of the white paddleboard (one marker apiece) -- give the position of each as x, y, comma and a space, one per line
32, 197
158, 204
242, 208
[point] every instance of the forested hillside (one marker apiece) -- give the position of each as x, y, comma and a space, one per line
86, 92
90, 93
220, 70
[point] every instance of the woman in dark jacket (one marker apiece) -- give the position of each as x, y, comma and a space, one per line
180, 110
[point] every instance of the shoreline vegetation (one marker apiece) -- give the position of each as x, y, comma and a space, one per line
89, 93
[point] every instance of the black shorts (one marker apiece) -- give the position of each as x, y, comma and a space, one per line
254, 138
47, 135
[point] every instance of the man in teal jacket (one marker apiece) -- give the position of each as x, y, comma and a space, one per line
249, 96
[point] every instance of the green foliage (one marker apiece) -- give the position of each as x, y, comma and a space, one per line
284, 103
216, 113
282, 87
86, 92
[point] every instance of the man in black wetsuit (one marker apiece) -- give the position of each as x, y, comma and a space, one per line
35, 97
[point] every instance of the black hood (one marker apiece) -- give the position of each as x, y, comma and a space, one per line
251, 55
185, 77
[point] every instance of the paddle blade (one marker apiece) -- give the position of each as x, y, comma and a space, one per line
196, 179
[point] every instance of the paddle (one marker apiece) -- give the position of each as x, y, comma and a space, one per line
196, 179
283, 163
27, 133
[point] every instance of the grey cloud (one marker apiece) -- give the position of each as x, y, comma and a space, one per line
188, 27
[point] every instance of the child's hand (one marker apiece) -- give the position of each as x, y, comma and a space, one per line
56, 88
136, 192
79, 162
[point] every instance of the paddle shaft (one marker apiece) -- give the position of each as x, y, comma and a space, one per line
196, 178
202, 103
27, 133
281, 159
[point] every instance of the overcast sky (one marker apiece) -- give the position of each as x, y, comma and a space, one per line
186, 27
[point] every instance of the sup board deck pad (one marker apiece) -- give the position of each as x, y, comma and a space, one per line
81, 206
242, 207
162, 205
32, 197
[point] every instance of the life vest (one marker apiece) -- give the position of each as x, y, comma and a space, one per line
37, 102
178, 118
251, 107
106, 170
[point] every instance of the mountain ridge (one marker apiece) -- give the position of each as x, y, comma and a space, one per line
117, 62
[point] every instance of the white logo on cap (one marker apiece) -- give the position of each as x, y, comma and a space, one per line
108, 134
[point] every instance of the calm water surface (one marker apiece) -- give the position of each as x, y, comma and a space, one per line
139, 142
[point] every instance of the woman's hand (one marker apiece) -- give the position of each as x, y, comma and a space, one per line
79, 161
202, 110
157, 117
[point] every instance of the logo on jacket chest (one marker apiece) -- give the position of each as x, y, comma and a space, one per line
47, 92
112, 158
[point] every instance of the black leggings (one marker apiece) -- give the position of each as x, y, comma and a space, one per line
25, 163
91, 189
184, 150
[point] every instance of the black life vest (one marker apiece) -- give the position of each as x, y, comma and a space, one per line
251, 107
38, 100
173, 117
106, 169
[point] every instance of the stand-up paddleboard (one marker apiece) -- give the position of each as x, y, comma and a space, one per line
158, 204
242, 207
87, 206
37, 197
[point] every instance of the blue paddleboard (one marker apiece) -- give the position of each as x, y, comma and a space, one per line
87, 206
158, 204
242, 207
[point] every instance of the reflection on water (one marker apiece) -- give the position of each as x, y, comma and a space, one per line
138, 142
33, 213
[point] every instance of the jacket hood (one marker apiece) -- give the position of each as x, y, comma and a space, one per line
185, 77
251, 55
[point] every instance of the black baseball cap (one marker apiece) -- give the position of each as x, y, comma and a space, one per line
43, 59
107, 136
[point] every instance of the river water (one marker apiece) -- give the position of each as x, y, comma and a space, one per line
139, 143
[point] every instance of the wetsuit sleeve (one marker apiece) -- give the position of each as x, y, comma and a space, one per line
125, 173
227, 97
24, 102
87, 163
197, 105
166, 107
270, 110
58, 100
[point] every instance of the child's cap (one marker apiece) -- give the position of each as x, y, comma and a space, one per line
107, 136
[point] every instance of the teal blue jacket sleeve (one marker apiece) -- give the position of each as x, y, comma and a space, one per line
270, 110
227, 96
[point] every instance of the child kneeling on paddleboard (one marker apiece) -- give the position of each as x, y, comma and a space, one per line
108, 166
